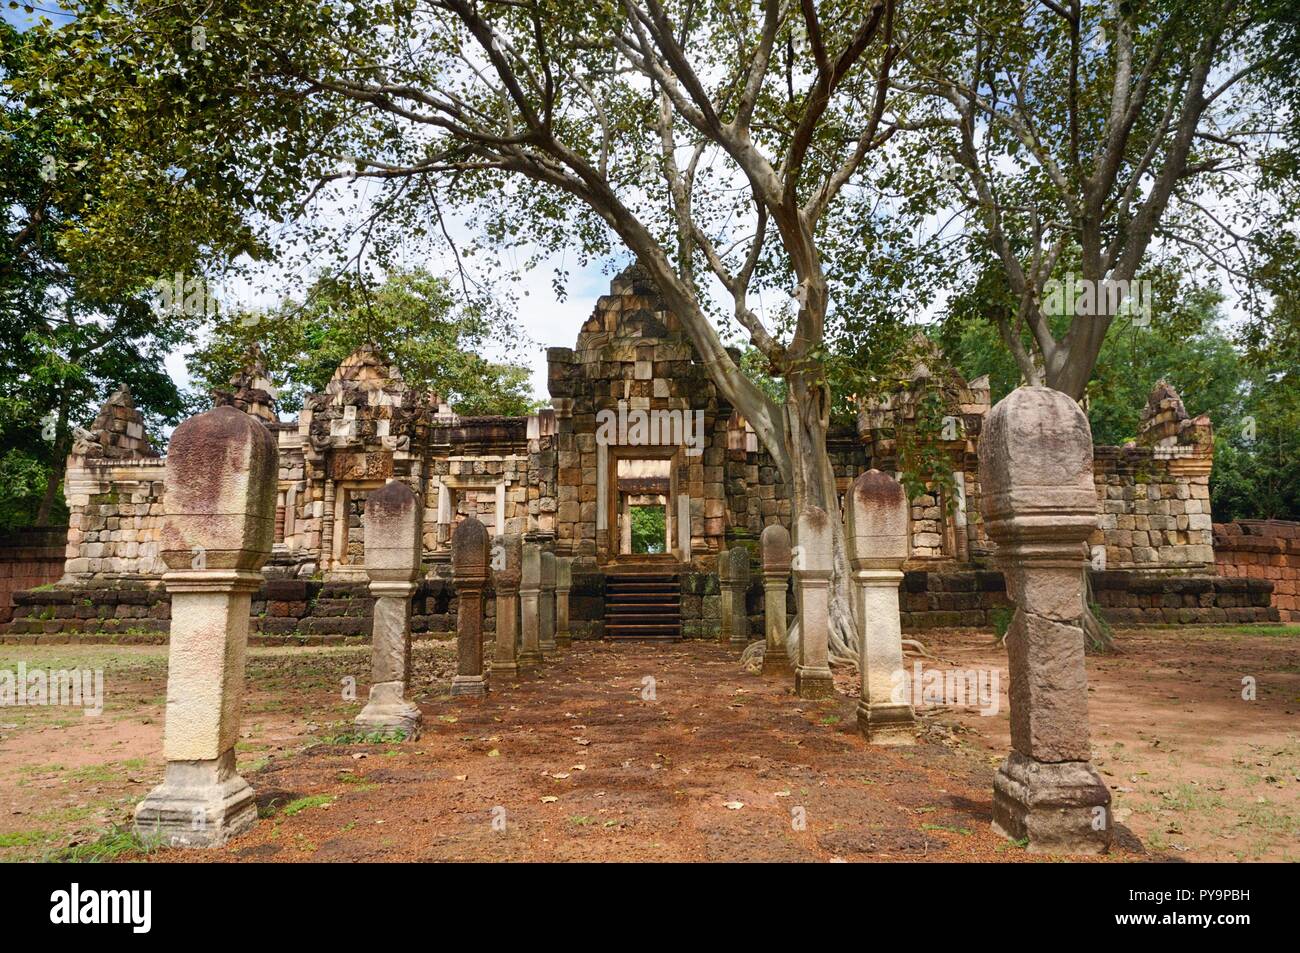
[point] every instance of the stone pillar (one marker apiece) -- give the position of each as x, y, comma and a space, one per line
546, 605
530, 587
875, 531
469, 570
394, 542
217, 531
563, 583
725, 603
739, 576
504, 662
812, 575
1040, 505
776, 577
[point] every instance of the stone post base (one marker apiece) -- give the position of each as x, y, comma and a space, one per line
387, 710
813, 682
1060, 808
777, 664
889, 724
563, 640
530, 659
469, 685
502, 670
199, 804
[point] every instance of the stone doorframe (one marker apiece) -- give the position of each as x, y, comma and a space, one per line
450, 486
677, 512
340, 567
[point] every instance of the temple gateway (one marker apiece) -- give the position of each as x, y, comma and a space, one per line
638, 476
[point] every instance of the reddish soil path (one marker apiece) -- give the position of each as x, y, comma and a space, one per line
574, 764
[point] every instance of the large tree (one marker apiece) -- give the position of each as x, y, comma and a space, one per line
744, 153
84, 230
1110, 143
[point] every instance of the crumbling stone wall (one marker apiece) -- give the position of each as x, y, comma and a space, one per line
114, 486
1263, 551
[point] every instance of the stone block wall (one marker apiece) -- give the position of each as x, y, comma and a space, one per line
972, 599
283, 611
1155, 515
29, 558
1267, 550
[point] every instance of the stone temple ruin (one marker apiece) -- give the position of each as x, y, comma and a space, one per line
638, 506
635, 432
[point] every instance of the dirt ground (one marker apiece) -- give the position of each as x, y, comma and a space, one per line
664, 752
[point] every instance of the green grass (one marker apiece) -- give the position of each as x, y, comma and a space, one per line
22, 838
305, 803
111, 845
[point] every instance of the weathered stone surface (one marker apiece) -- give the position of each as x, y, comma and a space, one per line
530, 587
218, 535
507, 579
875, 528
812, 560
219, 496
394, 519
1039, 507
469, 567
775, 545
563, 584
546, 604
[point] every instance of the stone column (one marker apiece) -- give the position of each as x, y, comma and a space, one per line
1040, 505
875, 531
546, 605
812, 575
739, 559
776, 577
394, 542
506, 577
563, 583
530, 587
469, 570
725, 603
217, 531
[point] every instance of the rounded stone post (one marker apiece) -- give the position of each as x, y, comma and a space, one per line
563, 583
506, 577
546, 605
776, 577
1040, 505
469, 570
738, 557
875, 529
812, 574
217, 531
394, 531
530, 587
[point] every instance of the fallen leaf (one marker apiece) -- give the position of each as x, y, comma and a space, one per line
550, 799
734, 805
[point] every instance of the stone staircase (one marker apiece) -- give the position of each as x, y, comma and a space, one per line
643, 604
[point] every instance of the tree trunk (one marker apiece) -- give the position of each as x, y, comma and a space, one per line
807, 421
